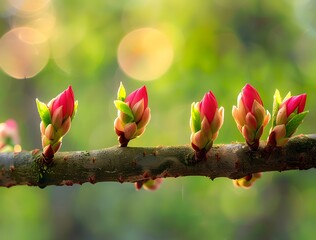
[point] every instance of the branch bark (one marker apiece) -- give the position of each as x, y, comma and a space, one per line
131, 164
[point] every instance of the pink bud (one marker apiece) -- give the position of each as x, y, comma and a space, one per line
248, 95
205, 122
61, 110
208, 106
132, 125
293, 103
250, 115
11, 124
284, 127
9, 133
66, 100
137, 96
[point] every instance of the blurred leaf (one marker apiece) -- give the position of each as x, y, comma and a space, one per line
124, 108
121, 93
293, 124
195, 118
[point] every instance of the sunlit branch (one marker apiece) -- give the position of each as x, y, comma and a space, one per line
131, 164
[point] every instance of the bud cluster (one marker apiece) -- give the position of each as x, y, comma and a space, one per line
288, 114
56, 119
205, 122
250, 116
133, 114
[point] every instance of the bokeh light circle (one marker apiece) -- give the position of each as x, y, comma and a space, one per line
28, 5
145, 54
24, 52
43, 21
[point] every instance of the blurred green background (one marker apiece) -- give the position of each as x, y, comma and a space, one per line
182, 49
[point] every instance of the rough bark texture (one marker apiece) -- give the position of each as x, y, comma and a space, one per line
127, 164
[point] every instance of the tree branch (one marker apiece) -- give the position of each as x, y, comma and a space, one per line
131, 164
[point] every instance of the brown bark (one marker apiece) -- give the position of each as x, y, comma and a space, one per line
131, 164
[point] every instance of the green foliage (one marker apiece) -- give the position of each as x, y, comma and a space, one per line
195, 118
124, 108
75, 110
121, 93
277, 100
43, 112
294, 122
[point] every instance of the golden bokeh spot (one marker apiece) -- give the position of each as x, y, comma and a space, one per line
43, 21
28, 6
24, 52
145, 54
